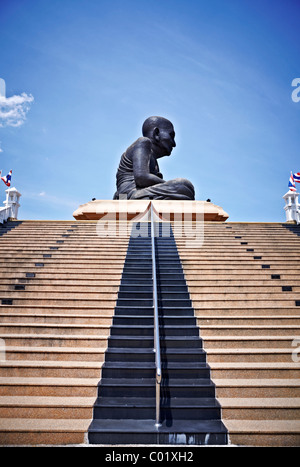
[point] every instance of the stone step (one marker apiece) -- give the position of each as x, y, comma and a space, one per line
266, 388
48, 340
75, 269
250, 355
85, 246
249, 261
249, 312
55, 328
259, 408
38, 386
235, 240
261, 370
45, 276
58, 250
249, 330
240, 282
46, 407
81, 311
236, 278
239, 264
246, 290
43, 368
241, 245
59, 246
245, 259
56, 262
210, 302
96, 270
59, 301
85, 243
23, 431
263, 433
55, 353
55, 318
223, 235
78, 280
247, 320
89, 242
60, 281
248, 341
244, 275
235, 245
63, 289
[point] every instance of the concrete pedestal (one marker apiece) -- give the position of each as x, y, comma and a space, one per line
167, 210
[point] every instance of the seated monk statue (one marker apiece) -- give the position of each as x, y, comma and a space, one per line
138, 175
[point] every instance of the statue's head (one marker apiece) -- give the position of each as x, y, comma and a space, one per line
162, 134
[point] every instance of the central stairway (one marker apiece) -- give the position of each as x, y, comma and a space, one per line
124, 412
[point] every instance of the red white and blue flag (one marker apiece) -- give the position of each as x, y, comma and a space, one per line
296, 177
7, 178
292, 185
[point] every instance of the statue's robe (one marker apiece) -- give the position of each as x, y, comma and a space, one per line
178, 188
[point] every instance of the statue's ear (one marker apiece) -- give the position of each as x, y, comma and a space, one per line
156, 134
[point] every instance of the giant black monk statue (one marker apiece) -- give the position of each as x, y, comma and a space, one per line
138, 175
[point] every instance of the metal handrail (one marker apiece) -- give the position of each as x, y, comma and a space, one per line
156, 322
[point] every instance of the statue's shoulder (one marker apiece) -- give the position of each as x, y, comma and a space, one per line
141, 143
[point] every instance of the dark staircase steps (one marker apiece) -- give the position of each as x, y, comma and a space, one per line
132, 387
148, 302
162, 295
142, 275
142, 355
195, 432
148, 330
148, 320
145, 341
166, 288
136, 312
147, 370
124, 411
144, 408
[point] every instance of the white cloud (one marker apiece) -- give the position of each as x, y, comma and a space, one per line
13, 109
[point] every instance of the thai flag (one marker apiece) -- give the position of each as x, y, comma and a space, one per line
296, 177
7, 178
292, 185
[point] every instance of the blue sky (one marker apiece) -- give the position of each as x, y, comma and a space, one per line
83, 75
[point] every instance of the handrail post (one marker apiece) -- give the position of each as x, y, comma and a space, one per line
156, 323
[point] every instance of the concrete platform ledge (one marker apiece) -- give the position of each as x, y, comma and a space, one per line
137, 210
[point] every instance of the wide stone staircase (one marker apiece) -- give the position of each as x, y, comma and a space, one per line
58, 288
244, 282
66, 307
